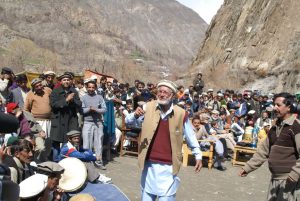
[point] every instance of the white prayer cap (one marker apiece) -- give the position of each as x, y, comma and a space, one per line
33, 185
210, 90
251, 112
168, 84
215, 112
86, 80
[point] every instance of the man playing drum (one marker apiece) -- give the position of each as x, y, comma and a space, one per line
72, 149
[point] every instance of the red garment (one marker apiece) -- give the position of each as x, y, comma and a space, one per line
160, 148
57, 85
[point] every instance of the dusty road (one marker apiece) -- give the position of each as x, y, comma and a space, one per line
208, 185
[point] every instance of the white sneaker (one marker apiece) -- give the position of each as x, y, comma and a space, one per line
104, 179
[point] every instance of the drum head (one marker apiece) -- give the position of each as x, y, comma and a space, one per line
74, 176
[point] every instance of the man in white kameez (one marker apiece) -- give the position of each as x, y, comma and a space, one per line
164, 127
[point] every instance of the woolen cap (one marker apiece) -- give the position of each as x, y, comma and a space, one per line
50, 167
6, 70
49, 73
35, 81
21, 77
168, 84
33, 185
65, 75
215, 112
73, 133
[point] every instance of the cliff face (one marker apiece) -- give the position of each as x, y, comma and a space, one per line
252, 44
118, 37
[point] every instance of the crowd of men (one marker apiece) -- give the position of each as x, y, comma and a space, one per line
64, 118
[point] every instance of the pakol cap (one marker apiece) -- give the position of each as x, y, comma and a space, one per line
50, 167
215, 112
73, 133
6, 70
168, 84
65, 75
35, 81
33, 185
49, 73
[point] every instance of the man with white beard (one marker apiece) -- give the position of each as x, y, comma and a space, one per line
160, 157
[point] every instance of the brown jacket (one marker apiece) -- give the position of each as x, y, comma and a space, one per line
151, 120
281, 148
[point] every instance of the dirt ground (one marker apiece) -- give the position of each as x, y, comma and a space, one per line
208, 185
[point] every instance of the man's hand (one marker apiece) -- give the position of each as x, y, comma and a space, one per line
243, 173
18, 112
139, 112
198, 166
3, 152
92, 109
58, 194
70, 97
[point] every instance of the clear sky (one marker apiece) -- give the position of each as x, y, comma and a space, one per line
205, 8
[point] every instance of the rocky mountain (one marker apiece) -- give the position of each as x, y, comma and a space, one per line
252, 44
123, 38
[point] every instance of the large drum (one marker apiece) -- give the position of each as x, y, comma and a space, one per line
74, 176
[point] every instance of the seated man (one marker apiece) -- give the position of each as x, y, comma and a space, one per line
72, 149
30, 130
223, 134
237, 129
201, 134
21, 155
53, 171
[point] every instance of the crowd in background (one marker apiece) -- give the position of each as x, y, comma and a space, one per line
65, 118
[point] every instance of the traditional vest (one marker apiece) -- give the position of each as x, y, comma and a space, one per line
150, 127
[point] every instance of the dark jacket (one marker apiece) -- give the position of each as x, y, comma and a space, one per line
64, 115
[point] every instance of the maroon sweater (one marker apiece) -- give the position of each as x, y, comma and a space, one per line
160, 148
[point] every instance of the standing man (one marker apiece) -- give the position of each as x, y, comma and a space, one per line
49, 79
161, 143
19, 94
6, 80
93, 106
198, 84
281, 149
38, 104
65, 104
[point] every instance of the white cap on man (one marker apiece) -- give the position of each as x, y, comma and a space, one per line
33, 185
168, 84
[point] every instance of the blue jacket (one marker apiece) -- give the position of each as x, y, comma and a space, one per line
243, 111
68, 150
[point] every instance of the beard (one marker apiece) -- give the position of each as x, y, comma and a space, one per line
164, 102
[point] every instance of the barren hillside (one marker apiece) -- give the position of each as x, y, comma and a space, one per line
124, 38
252, 44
